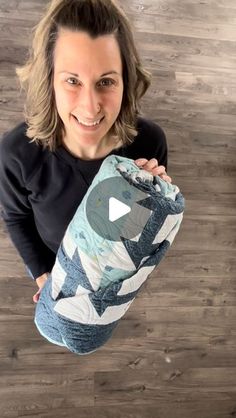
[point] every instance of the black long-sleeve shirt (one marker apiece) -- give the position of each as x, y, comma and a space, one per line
40, 190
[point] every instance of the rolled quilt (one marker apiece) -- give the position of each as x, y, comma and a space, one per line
101, 265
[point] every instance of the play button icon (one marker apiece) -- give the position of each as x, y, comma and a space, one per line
117, 209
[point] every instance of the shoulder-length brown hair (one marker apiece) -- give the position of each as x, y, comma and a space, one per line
96, 17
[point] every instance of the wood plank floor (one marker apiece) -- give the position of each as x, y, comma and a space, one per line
174, 353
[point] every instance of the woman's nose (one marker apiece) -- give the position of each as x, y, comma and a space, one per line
88, 103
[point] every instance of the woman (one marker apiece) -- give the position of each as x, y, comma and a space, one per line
83, 80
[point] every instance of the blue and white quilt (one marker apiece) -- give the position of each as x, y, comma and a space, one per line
95, 280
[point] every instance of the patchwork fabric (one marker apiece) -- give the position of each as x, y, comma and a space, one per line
94, 279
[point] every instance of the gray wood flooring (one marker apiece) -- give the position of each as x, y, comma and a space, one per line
174, 353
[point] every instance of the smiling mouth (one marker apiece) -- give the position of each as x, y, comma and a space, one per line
89, 125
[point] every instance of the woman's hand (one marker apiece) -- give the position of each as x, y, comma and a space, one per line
153, 168
41, 280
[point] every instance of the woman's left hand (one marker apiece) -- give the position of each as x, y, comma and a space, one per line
153, 168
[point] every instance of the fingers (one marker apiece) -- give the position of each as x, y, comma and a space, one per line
157, 171
153, 168
166, 178
141, 161
151, 165
37, 296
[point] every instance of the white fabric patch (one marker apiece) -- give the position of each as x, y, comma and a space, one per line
173, 232
80, 309
82, 291
170, 222
91, 267
58, 277
118, 258
134, 283
69, 244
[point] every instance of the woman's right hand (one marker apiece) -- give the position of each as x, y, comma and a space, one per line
41, 280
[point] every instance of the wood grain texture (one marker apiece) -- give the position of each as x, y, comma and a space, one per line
173, 354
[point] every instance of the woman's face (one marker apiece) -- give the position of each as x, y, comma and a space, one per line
88, 87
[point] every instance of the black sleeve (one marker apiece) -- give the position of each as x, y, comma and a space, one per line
150, 143
162, 149
18, 215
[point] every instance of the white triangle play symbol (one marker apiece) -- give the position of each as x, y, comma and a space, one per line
117, 209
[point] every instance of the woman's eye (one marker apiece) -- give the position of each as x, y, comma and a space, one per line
106, 82
72, 81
